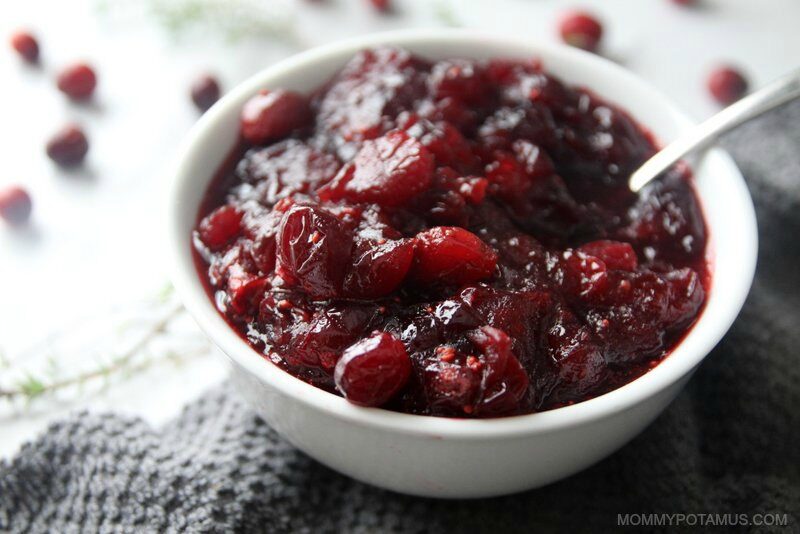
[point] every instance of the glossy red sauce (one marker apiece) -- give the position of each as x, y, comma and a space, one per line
451, 238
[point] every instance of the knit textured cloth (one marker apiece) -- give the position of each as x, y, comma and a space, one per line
730, 443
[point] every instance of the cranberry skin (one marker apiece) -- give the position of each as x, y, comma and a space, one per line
77, 81
615, 254
580, 363
581, 30
68, 147
15, 205
272, 115
378, 269
313, 251
26, 46
220, 227
504, 381
372, 371
727, 85
389, 171
452, 255
205, 92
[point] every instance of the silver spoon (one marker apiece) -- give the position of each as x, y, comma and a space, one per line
707, 132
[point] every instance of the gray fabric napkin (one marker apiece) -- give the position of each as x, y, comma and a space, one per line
730, 444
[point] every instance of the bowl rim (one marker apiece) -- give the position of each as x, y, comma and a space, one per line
193, 295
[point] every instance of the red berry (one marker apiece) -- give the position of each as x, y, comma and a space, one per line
373, 370
727, 85
581, 30
271, 115
379, 268
389, 170
684, 2
220, 227
615, 254
384, 6
504, 381
452, 255
15, 205
77, 81
68, 147
26, 46
205, 91
313, 251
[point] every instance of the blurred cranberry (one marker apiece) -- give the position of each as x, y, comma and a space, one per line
68, 147
384, 6
684, 2
727, 85
220, 227
77, 81
271, 115
26, 46
15, 205
581, 30
205, 91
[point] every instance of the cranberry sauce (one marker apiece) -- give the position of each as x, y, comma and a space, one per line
451, 238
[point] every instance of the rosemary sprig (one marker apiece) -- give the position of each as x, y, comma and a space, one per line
31, 387
443, 10
235, 20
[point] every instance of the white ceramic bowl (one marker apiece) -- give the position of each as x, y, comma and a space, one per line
443, 457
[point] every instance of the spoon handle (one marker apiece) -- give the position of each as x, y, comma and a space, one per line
773, 95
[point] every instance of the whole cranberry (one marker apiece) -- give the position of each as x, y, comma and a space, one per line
15, 205
581, 30
372, 370
26, 46
727, 85
77, 81
205, 91
452, 255
220, 227
271, 115
384, 6
68, 147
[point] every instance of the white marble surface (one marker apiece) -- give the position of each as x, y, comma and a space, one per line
94, 244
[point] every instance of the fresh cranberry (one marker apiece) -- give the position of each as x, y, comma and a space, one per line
313, 251
373, 370
383, 6
77, 81
452, 255
389, 170
272, 115
68, 146
727, 85
581, 30
15, 205
26, 46
220, 227
205, 91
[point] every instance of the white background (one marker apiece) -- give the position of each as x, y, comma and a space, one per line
94, 244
